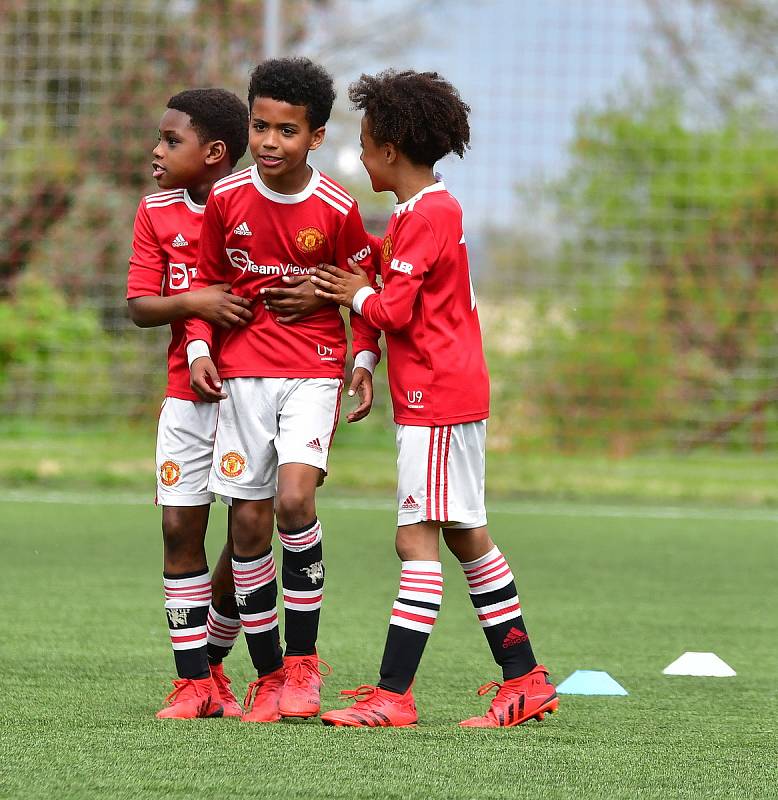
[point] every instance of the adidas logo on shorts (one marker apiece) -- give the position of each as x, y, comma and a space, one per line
409, 504
243, 230
315, 444
179, 241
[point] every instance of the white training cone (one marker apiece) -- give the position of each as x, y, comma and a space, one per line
700, 664
590, 681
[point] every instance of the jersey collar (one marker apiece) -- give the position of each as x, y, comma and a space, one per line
408, 205
287, 199
191, 205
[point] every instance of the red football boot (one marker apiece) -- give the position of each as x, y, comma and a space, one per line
266, 692
375, 708
517, 700
225, 695
302, 683
192, 699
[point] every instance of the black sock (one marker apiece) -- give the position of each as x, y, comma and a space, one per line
413, 615
496, 602
223, 629
187, 598
255, 595
302, 578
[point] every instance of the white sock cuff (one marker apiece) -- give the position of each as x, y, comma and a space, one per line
190, 592
421, 581
468, 565
302, 540
252, 575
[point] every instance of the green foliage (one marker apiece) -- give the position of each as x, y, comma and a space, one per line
668, 273
57, 362
602, 380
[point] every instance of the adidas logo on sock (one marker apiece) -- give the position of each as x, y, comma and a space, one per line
409, 504
243, 230
179, 241
315, 444
514, 637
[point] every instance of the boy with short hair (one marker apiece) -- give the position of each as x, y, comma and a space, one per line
281, 383
440, 393
202, 134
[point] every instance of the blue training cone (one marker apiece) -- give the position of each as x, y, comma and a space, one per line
590, 681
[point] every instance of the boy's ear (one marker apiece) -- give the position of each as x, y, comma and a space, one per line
216, 152
317, 137
390, 153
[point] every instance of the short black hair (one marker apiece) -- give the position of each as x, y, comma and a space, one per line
216, 114
420, 113
297, 81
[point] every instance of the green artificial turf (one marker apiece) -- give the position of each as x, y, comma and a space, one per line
85, 663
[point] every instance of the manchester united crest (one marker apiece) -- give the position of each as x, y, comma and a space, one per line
386, 249
169, 473
232, 464
309, 240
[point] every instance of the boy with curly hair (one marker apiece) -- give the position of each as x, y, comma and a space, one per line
440, 394
278, 385
202, 134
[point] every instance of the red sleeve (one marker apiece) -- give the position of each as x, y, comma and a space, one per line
354, 242
148, 261
210, 267
414, 251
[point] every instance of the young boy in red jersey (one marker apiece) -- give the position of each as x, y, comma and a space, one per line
202, 134
281, 383
440, 393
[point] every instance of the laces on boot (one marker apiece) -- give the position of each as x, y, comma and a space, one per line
181, 685
487, 687
301, 670
360, 694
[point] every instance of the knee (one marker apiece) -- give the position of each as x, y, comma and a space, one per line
183, 542
295, 508
252, 526
468, 545
406, 544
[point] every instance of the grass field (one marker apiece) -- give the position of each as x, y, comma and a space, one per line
85, 662
363, 461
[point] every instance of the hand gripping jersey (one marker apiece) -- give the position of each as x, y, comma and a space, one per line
435, 359
163, 262
251, 238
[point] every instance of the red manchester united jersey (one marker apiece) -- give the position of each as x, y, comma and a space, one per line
252, 236
435, 359
163, 262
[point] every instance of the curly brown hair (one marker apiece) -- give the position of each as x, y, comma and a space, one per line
297, 81
420, 113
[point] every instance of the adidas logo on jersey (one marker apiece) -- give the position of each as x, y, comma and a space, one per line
514, 637
243, 230
315, 444
179, 241
409, 504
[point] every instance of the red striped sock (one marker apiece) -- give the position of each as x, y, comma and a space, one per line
187, 598
255, 595
413, 616
493, 593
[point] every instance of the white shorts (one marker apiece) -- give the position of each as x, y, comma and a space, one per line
266, 422
440, 474
185, 435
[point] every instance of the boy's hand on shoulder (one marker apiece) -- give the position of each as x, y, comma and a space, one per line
362, 387
295, 301
205, 381
215, 304
338, 285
